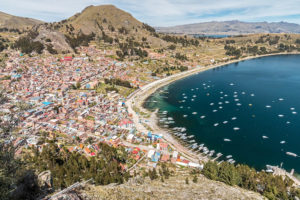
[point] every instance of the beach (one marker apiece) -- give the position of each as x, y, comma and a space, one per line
136, 100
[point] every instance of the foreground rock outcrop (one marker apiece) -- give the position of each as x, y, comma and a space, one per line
173, 188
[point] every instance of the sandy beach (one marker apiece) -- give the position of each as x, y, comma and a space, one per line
135, 102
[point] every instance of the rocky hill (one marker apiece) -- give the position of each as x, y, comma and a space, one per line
13, 22
232, 28
173, 188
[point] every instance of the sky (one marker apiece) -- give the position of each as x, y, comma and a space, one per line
164, 12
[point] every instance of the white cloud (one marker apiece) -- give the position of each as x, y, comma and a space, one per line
163, 12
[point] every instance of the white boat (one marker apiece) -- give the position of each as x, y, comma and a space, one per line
236, 99
236, 128
252, 95
226, 102
227, 140
221, 92
238, 104
288, 122
181, 106
294, 113
243, 92
216, 124
265, 137
183, 101
225, 122
235, 96
211, 104
194, 113
280, 115
282, 142
220, 107
231, 84
194, 96
280, 99
202, 117
268, 106
229, 156
292, 108
192, 99
292, 154
220, 103
184, 116
234, 118
215, 110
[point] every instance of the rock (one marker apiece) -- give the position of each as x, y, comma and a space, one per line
45, 180
68, 196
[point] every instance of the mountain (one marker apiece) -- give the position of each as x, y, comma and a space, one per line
232, 28
94, 18
13, 22
105, 22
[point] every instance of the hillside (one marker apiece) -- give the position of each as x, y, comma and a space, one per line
93, 17
232, 28
173, 188
13, 22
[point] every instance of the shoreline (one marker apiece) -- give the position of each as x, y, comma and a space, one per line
137, 99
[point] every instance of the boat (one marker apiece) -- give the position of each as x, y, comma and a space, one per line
225, 122
220, 103
194, 113
191, 136
252, 95
227, 140
236, 128
268, 106
292, 108
227, 102
236, 99
229, 156
202, 117
280, 99
238, 104
232, 84
292, 154
220, 107
215, 110
265, 137
234, 118
282, 142
211, 104
184, 116
216, 124
194, 96
294, 113
280, 115
192, 99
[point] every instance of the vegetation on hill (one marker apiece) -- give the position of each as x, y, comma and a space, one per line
69, 167
272, 187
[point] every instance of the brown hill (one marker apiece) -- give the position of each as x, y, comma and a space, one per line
14, 22
92, 18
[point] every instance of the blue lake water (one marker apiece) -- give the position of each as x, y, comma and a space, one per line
262, 94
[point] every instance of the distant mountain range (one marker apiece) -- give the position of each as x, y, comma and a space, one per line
13, 22
232, 28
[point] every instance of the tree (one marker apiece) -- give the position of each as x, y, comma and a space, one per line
195, 179
210, 170
187, 180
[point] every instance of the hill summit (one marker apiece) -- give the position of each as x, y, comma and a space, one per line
95, 18
8, 21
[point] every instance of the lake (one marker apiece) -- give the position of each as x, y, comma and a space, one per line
250, 110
